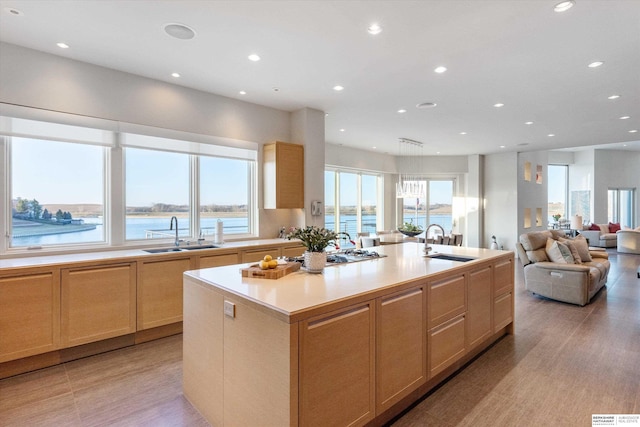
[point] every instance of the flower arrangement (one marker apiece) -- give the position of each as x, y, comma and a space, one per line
556, 217
409, 229
315, 239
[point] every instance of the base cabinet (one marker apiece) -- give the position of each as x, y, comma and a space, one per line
98, 303
337, 367
160, 292
401, 345
479, 306
446, 345
29, 315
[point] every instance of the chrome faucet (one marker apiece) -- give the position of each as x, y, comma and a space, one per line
427, 248
177, 241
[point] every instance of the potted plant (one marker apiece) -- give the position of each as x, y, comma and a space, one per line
556, 217
316, 240
409, 229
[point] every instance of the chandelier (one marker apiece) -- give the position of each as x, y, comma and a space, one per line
410, 184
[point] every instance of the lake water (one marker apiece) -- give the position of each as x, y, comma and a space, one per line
137, 228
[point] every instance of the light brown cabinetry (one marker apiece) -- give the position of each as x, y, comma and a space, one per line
401, 347
283, 176
503, 283
258, 254
209, 261
479, 306
337, 367
446, 337
29, 315
293, 251
98, 303
160, 292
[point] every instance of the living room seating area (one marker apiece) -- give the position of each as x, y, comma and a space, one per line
562, 269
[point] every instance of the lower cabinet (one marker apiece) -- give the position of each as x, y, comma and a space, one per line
502, 311
160, 292
29, 315
258, 254
97, 303
209, 261
293, 251
401, 347
336, 376
446, 344
479, 305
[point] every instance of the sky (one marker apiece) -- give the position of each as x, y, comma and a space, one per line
56, 173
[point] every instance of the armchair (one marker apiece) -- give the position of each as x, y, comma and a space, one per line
629, 241
575, 281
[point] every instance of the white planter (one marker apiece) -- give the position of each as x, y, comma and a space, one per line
314, 262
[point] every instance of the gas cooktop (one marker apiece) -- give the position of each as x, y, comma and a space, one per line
345, 256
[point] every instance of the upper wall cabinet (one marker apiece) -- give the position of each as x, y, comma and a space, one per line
283, 176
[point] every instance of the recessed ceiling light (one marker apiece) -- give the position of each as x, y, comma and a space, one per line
552, 134
564, 6
463, 133
62, 45
498, 105
242, 92
625, 117
253, 57
437, 152
341, 130
338, 88
502, 146
13, 11
402, 110
176, 75
633, 131
440, 69
528, 123
614, 97
179, 31
374, 29
374, 148
595, 64
426, 105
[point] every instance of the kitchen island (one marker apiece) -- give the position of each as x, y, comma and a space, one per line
354, 345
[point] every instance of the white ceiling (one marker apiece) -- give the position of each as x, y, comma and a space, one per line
517, 52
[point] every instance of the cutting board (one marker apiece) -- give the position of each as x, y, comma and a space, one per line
273, 273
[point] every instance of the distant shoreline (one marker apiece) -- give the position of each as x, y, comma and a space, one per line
39, 229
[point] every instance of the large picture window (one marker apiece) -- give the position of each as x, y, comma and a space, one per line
434, 207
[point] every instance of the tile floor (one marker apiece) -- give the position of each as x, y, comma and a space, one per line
563, 364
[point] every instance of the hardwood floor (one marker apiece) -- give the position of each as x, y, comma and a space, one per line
563, 364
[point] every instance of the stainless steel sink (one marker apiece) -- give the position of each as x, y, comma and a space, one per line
449, 257
161, 250
191, 248
180, 249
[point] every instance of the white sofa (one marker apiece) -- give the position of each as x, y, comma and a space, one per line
602, 238
629, 241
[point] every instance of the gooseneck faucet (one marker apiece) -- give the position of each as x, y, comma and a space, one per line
177, 241
427, 248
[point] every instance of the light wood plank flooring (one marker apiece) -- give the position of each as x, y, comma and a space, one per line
563, 364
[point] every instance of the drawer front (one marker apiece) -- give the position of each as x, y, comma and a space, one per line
502, 311
503, 277
446, 345
446, 300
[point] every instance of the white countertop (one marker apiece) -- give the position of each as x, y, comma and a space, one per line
123, 254
301, 291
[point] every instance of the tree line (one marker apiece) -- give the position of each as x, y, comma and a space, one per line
33, 210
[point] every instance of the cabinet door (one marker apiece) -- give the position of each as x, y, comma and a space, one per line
283, 176
258, 254
479, 304
160, 292
503, 281
293, 251
502, 311
29, 315
337, 367
98, 303
401, 347
217, 260
446, 299
446, 345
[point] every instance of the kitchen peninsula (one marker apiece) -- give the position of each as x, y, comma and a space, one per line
352, 346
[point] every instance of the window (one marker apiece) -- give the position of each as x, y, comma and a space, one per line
557, 185
157, 188
61, 179
439, 200
357, 198
57, 183
620, 209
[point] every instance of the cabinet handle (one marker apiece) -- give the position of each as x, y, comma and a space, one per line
401, 297
337, 317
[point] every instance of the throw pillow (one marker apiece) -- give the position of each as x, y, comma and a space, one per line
577, 259
604, 228
582, 246
594, 227
614, 227
558, 253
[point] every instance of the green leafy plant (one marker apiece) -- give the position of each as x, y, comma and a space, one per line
315, 239
410, 227
556, 217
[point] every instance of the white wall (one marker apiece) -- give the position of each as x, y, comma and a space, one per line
581, 178
501, 199
615, 169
